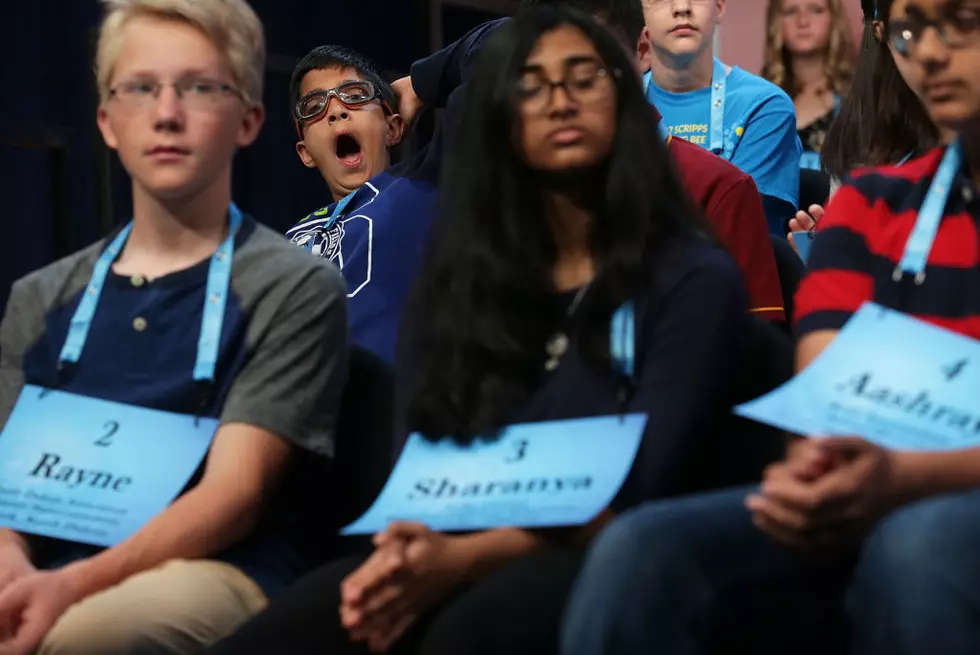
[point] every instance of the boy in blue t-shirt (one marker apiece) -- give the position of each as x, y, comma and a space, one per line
375, 227
737, 115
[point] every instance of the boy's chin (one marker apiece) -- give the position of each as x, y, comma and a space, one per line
350, 180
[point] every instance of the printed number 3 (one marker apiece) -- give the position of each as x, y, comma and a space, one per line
520, 450
111, 427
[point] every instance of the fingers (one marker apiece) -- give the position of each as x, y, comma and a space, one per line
377, 570
29, 634
811, 460
381, 600
784, 487
781, 533
407, 530
846, 447
13, 623
404, 530
800, 223
381, 642
805, 221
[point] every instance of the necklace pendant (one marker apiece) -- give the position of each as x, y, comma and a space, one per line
555, 348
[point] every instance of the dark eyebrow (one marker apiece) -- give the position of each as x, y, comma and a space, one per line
571, 60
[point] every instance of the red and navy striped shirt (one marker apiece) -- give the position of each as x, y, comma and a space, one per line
862, 238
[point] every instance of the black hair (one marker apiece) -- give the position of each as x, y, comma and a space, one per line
881, 120
623, 17
335, 56
485, 303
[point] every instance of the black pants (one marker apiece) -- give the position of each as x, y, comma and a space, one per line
517, 609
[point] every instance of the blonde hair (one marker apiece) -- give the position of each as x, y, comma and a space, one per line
231, 25
838, 58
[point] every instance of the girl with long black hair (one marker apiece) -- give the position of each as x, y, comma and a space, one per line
559, 205
881, 122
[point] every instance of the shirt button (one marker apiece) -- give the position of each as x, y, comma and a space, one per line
138, 280
139, 323
967, 194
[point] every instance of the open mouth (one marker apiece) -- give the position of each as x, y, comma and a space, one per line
348, 150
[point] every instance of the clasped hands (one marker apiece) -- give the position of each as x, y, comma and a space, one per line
31, 601
827, 494
411, 569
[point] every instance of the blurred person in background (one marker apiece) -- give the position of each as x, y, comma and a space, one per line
810, 55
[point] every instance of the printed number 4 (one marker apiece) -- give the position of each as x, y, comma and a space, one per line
953, 370
111, 428
520, 451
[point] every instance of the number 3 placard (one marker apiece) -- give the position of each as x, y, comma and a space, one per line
90, 470
557, 473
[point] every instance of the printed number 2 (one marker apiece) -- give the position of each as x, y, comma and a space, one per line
520, 450
111, 427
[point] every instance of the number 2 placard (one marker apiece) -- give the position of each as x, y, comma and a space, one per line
90, 470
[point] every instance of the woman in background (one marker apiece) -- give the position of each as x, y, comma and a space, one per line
810, 54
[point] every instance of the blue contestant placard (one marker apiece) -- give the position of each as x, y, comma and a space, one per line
90, 470
557, 473
888, 377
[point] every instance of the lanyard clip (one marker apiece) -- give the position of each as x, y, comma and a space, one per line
898, 274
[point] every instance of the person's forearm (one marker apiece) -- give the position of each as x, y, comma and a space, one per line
921, 475
12, 539
487, 551
202, 522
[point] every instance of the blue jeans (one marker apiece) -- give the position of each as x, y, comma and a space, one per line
693, 576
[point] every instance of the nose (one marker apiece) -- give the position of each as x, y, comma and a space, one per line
169, 110
930, 51
337, 111
681, 7
562, 104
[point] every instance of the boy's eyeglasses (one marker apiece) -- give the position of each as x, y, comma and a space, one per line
960, 28
352, 94
196, 93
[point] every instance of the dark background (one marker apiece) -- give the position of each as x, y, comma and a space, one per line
62, 189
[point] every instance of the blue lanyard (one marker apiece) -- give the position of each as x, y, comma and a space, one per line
716, 127
923, 234
622, 337
335, 215
219, 279
719, 84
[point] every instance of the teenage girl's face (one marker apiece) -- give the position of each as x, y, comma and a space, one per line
806, 26
941, 71
566, 104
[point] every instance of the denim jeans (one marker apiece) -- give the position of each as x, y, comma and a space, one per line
694, 576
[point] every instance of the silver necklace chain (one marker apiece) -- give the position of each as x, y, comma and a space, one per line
557, 344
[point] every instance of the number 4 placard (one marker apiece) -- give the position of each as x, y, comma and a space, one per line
91, 470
